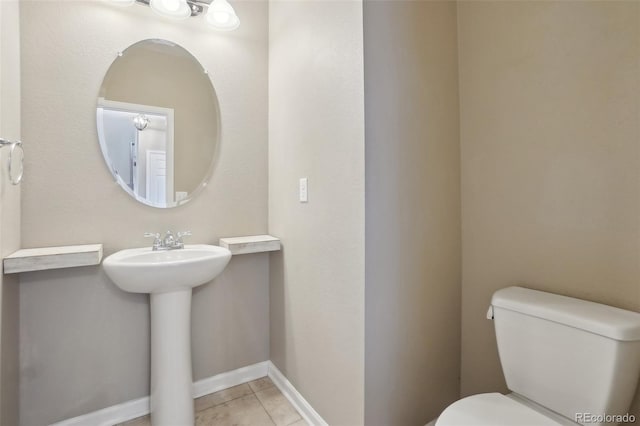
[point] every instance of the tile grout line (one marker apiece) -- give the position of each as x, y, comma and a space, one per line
265, 408
267, 411
260, 402
232, 399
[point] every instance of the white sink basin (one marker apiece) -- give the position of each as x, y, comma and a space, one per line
169, 276
143, 270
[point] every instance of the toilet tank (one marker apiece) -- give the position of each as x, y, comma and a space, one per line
568, 355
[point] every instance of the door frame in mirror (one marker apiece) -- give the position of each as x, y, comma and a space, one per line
139, 108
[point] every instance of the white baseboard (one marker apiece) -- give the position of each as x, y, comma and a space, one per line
295, 398
139, 407
230, 378
111, 415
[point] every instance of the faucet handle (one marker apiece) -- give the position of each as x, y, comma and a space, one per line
157, 242
181, 235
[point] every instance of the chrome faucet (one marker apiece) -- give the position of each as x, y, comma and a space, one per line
169, 242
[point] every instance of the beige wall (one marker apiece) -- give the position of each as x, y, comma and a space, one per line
84, 343
316, 130
550, 109
412, 211
9, 210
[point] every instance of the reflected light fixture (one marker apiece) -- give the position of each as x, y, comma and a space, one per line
219, 15
140, 122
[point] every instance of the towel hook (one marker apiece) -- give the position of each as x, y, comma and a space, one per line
14, 145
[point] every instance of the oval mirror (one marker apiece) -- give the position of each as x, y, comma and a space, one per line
158, 123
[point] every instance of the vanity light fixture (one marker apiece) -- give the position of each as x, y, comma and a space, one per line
220, 15
175, 9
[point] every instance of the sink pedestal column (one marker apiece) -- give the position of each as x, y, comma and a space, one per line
171, 381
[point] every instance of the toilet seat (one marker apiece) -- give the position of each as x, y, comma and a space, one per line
493, 409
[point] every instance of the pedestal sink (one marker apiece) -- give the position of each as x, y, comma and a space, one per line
169, 276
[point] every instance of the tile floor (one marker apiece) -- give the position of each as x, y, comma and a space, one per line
256, 403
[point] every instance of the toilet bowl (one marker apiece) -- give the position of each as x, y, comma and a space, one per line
567, 362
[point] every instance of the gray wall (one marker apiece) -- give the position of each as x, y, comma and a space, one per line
9, 210
316, 130
412, 211
84, 344
550, 96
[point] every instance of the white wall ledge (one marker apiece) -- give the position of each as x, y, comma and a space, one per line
45, 258
250, 244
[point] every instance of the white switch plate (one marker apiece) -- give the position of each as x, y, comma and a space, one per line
304, 190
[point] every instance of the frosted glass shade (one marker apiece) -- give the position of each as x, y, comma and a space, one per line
221, 16
174, 9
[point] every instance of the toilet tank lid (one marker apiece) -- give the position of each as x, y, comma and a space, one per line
614, 323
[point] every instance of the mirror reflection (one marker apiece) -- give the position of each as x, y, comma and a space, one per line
158, 123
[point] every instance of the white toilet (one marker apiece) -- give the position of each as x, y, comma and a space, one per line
567, 361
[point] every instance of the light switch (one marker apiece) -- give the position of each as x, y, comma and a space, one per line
304, 190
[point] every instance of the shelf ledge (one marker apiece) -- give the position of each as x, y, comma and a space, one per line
45, 258
250, 244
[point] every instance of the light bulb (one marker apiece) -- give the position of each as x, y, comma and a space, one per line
221, 16
171, 5
175, 9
